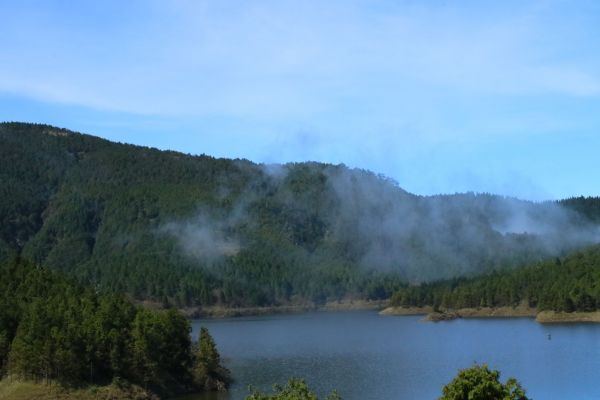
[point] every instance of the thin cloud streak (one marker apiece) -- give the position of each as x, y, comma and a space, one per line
277, 60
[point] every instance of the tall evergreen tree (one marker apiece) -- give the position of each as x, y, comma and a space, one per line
59, 331
208, 371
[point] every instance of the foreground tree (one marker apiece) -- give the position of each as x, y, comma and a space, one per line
481, 383
54, 330
295, 389
208, 371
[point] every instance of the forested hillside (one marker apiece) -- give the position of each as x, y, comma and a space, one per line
54, 330
563, 284
190, 230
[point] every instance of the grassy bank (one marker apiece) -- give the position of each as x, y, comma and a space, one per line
406, 310
553, 317
24, 390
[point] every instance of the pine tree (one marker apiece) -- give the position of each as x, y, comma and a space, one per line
208, 353
208, 371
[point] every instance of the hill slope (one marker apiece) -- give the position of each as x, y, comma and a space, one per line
200, 230
564, 284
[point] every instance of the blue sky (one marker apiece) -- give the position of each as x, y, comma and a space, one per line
442, 96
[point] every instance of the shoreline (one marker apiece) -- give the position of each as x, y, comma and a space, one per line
400, 311
428, 313
558, 317
218, 312
521, 311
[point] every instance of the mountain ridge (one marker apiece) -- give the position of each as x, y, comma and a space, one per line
194, 229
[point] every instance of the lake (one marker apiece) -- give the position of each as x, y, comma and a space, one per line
367, 356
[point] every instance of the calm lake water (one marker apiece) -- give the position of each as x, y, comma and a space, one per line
367, 356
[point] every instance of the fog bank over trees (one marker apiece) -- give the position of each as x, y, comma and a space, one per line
197, 230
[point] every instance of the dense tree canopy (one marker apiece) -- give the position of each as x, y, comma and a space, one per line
295, 389
197, 230
54, 329
561, 284
481, 383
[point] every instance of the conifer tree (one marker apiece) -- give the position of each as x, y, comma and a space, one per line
208, 371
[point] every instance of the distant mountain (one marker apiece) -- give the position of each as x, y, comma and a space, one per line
191, 230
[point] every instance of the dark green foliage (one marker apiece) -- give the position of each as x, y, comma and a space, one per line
161, 348
53, 329
195, 230
208, 371
481, 383
560, 284
295, 389
587, 206
100, 211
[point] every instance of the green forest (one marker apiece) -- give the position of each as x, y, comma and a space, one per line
54, 330
561, 284
89, 227
188, 230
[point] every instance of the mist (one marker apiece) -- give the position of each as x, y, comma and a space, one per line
203, 237
372, 223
